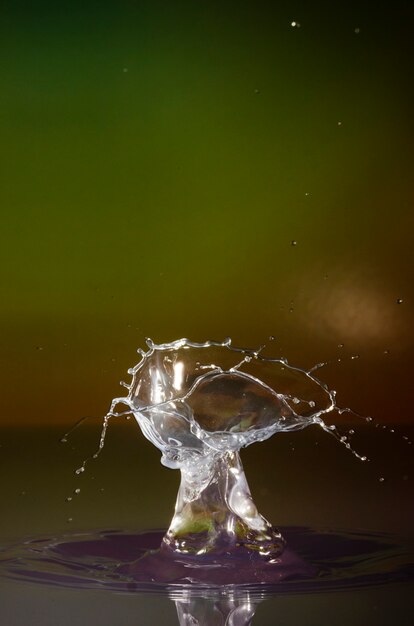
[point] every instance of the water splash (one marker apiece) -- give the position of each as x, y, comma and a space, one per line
200, 403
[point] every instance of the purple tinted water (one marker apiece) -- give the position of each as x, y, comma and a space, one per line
113, 560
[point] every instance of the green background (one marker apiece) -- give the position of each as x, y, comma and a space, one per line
159, 158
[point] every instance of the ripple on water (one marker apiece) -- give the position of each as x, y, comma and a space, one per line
114, 560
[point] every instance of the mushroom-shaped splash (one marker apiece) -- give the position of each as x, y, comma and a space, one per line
200, 403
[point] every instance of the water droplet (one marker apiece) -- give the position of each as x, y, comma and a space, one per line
257, 91
382, 479
355, 356
125, 69
170, 354
39, 347
69, 520
77, 491
272, 338
293, 242
340, 345
68, 499
351, 432
357, 30
339, 123
400, 300
386, 351
295, 24
63, 440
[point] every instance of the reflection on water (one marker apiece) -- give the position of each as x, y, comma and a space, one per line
216, 611
69, 568
337, 561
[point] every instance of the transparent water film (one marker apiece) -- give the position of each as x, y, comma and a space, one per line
200, 403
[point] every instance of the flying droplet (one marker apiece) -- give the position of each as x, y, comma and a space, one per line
293, 242
357, 30
382, 479
400, 300
77, 491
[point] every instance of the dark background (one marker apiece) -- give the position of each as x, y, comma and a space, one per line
158, 160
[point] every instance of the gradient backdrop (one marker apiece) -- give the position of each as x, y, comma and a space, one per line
157, 161
203, 169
